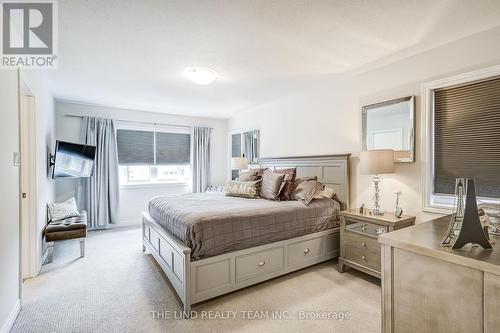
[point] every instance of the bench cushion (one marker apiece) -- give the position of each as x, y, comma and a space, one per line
72, 227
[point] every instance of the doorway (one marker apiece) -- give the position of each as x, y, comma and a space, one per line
30, 262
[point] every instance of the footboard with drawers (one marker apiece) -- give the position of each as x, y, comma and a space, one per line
196, 281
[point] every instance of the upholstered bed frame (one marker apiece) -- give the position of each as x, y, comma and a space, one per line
196, 281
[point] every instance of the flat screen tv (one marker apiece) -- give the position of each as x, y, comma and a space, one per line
73, 160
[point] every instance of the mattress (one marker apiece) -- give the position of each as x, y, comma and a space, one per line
211, 223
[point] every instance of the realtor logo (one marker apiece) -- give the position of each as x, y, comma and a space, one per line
29, 34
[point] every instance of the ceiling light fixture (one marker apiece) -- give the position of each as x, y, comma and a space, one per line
201, 75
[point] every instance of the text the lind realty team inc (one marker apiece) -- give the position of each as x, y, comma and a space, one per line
252, 315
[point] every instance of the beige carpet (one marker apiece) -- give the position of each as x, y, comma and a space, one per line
117, 288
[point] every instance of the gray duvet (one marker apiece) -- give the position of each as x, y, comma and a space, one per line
211, 223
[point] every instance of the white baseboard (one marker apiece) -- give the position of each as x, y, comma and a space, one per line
7, 326
127, 222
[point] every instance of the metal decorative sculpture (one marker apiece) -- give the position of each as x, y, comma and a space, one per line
465, 226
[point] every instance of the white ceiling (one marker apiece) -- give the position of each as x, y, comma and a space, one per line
131, 53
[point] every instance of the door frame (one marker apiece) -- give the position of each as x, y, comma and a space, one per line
30, 244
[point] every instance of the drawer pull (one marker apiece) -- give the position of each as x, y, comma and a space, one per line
363, 257
363, 243
306, 251
262, 263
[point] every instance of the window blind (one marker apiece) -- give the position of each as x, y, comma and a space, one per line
135, 147
467, 137
173, 148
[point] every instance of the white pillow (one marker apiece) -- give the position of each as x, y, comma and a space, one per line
63, 210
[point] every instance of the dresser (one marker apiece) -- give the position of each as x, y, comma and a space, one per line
430, 288
359, 247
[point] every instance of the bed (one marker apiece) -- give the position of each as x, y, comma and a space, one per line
209, 244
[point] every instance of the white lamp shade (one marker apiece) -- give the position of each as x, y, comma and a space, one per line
239, 163
377, 161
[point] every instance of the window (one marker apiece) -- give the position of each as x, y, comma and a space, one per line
467, 137
235, 151
244, 143
464, 138
153, 157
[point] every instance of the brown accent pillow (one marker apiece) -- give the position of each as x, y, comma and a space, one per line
248, 176
306, 189
249, 190
288, 183
271, 184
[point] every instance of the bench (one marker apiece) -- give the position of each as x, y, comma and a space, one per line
70, 228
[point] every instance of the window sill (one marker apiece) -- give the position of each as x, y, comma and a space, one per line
154, 185
438, 210
445, 205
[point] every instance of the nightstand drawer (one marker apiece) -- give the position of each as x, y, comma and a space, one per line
364, 258
365, 228
361, 242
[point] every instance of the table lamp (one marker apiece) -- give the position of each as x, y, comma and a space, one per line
239, 163
377, 162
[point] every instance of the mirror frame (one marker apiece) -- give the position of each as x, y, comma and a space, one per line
366, 108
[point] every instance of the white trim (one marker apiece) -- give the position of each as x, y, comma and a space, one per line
30, 242
427, 129
7, 326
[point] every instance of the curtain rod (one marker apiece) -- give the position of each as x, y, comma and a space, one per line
136, 122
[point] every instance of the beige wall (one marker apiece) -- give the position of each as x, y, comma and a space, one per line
327, 119
134, 200
9, 196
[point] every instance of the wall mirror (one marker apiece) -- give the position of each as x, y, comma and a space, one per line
391, 125
245, 143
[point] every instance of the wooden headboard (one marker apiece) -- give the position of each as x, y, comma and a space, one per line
331, 170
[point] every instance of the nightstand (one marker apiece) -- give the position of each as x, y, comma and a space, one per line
359, 247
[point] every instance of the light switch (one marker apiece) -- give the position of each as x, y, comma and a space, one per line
17, 159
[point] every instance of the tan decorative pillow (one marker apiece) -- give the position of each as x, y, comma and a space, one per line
271, 184
326, 192
249, 190
249, 176
306, 189
288, 183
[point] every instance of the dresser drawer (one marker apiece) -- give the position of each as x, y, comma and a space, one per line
363, 242
307, 249
362, 257
254, 264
